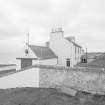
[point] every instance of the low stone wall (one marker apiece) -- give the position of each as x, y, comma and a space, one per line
88, 81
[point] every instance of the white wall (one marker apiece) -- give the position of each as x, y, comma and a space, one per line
23, 55
77, 55
30, 55
18, 64
52, 61
27, 78
62, 48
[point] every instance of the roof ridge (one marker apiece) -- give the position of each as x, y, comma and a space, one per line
67, 38
39, 46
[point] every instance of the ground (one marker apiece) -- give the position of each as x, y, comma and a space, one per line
41, 96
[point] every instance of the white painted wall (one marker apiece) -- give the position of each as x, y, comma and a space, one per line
46, 62
62, 48
23, 55
27, 78
77, 55
29, 55
18, 64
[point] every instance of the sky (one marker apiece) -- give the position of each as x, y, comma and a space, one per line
84, 19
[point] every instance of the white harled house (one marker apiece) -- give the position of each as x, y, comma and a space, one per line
59, 50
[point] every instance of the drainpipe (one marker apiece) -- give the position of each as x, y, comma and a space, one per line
86, 57
57, 60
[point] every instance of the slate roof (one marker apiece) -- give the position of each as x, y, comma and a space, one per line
42, 52
70, 40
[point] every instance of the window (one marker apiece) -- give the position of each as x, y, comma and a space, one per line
83, 60
68, 62
26, 51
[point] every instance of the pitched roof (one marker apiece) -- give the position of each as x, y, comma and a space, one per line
70, 40
42, 52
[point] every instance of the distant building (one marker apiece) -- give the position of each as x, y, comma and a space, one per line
93, 60
89, 57
37, 55
59, 50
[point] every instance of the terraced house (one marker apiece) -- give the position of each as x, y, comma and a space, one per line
59, 51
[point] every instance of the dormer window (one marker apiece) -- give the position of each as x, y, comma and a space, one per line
26, 51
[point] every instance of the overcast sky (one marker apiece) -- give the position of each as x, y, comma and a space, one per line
84, 19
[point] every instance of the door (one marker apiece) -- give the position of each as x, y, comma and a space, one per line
26, 63
68, 62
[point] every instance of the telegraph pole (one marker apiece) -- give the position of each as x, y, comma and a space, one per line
86, 57
27, 44
28, 38
28, 35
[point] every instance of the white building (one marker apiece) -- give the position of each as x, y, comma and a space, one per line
60, 51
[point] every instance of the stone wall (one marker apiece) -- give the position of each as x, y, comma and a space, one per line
78, 79
88, 81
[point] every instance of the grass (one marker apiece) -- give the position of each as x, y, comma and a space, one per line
42, 96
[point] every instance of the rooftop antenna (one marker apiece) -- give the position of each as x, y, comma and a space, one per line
27, 42
86, 58
28, 38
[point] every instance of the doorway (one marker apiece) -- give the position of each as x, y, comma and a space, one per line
68, 62
26, 63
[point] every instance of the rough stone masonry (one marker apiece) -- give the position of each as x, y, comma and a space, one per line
78, 80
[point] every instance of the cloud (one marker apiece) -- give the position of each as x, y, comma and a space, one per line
84, 19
